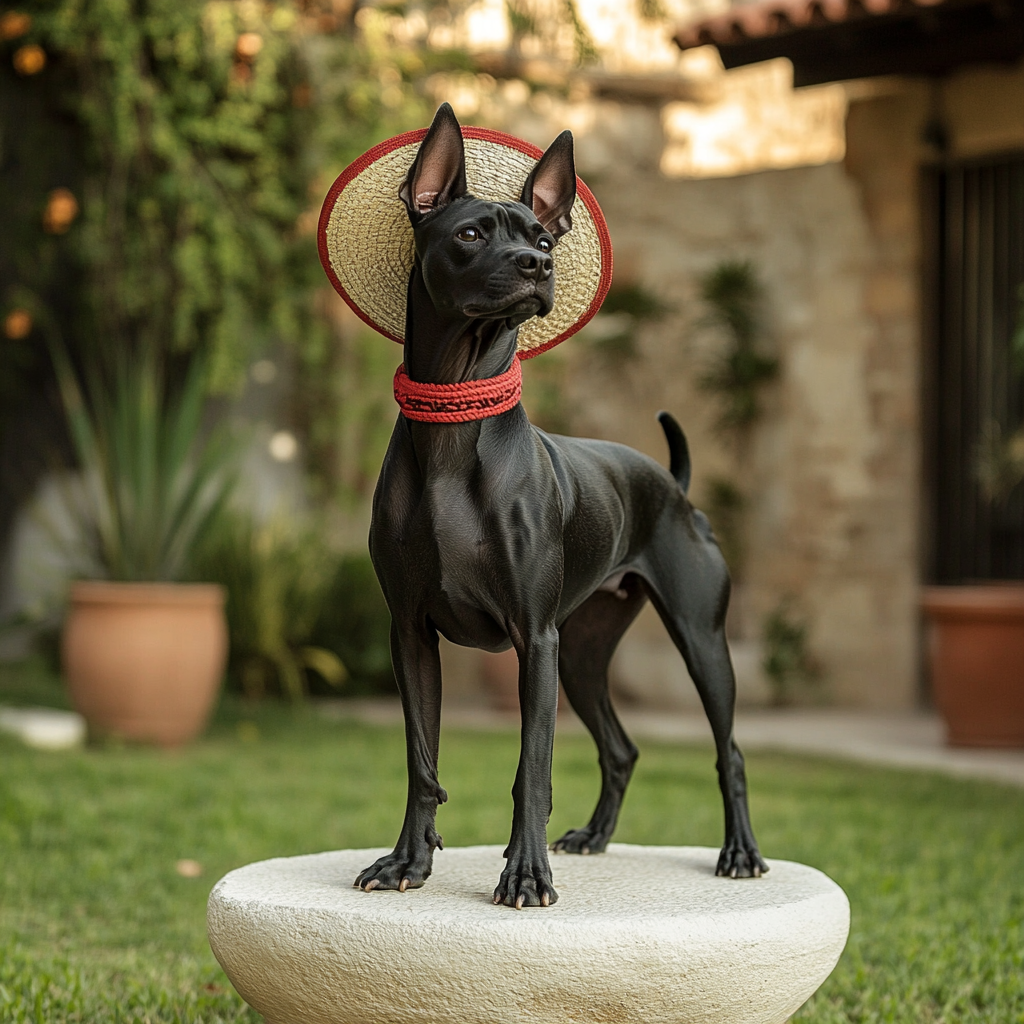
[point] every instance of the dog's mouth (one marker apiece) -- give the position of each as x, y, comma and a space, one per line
516, 311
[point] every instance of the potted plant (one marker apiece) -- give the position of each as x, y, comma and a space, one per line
143, 653
976, 632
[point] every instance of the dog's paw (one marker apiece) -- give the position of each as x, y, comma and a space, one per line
581, 840
399, 870
740, 861
526, 883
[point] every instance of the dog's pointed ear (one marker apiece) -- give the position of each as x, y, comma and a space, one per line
438, 174
550, 190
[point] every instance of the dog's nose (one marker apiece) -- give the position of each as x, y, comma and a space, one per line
531, 263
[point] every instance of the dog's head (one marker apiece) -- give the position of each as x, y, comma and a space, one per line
482, 259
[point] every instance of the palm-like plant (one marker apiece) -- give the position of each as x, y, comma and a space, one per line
152, 484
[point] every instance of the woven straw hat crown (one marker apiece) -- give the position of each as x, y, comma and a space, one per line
366, 240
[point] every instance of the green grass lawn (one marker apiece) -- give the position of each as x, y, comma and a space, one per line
96, 924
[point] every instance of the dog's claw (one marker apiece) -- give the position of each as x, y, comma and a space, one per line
401, 870
581, 841
525, 884
740, 861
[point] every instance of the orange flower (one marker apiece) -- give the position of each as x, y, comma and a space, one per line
17, 324
248, 45
61, 210
29, 59
14, 24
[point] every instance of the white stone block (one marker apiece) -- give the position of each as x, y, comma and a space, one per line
639, 935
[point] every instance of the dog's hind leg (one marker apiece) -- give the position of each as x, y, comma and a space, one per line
588, 639
688, 583
417, 665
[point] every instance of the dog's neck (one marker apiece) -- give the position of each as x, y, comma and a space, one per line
446, 349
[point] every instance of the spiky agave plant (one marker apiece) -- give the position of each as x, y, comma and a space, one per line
152, 481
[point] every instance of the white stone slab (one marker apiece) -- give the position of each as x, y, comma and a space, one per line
44, 728
640, 935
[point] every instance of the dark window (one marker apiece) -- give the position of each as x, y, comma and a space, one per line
974, 389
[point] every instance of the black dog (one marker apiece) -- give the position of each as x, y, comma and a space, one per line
496, 534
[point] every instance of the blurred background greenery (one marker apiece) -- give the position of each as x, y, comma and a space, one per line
162, 165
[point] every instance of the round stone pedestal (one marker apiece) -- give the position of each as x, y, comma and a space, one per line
639, 935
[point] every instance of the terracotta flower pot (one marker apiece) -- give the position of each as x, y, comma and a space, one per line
976, 655
144, 661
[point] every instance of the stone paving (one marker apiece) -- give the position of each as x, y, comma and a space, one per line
898, 739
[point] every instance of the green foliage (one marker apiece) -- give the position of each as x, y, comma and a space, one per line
525, 19
189, 176
347, 412
725, 508
612, 333
634, 300
999, 458
521, 19
152, 485
999, 461
544, 392
788, 663
354, 621
98, 926
276, 577
651, 10
583, 45
191, 142
736, 375
1017, 341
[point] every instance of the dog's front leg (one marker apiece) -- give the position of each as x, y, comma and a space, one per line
418, 671
526, 880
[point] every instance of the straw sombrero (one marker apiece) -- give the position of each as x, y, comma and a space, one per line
366, 242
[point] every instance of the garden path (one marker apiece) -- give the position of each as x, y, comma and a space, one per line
901, 739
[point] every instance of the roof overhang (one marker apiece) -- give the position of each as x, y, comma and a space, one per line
835, 40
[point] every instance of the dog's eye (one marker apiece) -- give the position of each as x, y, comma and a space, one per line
545, 244
468, 235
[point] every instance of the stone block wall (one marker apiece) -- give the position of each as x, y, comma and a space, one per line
834, 478
834, 485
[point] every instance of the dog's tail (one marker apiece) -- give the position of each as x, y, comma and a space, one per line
678, 450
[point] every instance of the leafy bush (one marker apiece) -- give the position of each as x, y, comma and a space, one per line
354, 621
788, 663
302, 619
276, 578
735, 375
173, 132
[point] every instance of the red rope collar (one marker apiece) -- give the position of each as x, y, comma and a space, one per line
459, 403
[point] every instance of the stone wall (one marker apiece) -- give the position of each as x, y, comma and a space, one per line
835, 514
833, 483
832, 490
834, 477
